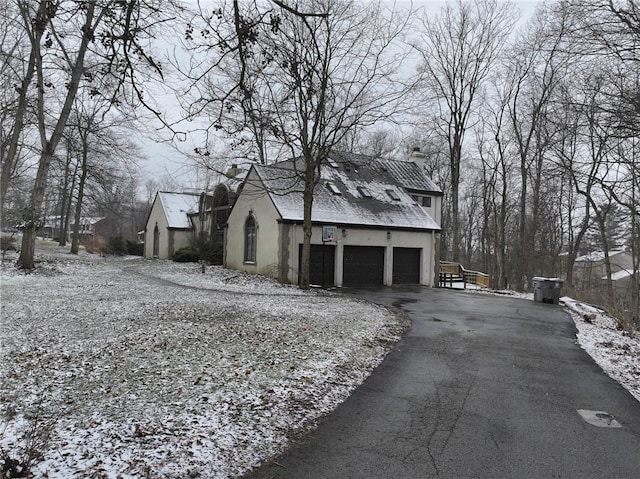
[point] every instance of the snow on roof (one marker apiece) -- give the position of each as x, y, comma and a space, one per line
618, 275
53, 221
177, 206
383, 180
597, 256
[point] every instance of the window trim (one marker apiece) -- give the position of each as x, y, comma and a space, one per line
393, 194
364, 192
250, 239
333, 188
156, 242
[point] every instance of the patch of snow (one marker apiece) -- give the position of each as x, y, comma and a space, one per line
133, 368
616, 352
176, 206
618, 275
597, 256
347, 208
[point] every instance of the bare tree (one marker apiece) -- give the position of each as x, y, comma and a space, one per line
611, 28
70, 170
459, 47
98, 43
311, 79
496, 170
539, 62
15, 77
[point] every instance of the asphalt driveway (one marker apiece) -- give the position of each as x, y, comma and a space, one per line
481, 387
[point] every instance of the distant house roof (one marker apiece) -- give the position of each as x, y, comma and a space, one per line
597, 256
177, 206
354, 190
618, 275
53, 221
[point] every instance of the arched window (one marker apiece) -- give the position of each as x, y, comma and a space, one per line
156, 242
250, 237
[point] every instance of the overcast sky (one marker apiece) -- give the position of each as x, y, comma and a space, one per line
164, 161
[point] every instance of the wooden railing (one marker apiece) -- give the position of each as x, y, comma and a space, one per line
451, 273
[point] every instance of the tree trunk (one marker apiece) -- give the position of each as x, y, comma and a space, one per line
67, 215
66, 199
307, 226
37, 196
455, 223
75, 237
34, 220
9, 160
522, 230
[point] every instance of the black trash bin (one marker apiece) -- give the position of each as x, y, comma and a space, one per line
547, 290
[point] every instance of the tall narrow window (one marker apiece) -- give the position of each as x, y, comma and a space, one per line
156, 242
250, 236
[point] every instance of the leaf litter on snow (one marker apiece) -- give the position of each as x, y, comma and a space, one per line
126, 367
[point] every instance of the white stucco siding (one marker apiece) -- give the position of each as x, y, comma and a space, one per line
257, 202
179, 239
436, 207
170, 213
156, 217
368, 237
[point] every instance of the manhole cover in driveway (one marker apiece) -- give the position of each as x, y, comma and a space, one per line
599, 418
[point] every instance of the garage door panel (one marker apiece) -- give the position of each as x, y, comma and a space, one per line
321, 264
363, 265
406, 265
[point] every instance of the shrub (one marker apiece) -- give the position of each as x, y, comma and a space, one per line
188, 254
96, 244
211, 253
117, 245
134, 248
7, 243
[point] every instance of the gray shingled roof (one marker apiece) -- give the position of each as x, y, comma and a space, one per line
354, 176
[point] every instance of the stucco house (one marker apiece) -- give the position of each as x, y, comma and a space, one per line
169, 226
375, 221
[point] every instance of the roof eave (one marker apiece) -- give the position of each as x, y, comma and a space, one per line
361, 225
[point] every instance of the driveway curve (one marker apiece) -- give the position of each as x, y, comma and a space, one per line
481, 387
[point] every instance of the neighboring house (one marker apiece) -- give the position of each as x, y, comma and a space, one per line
90, 227
590, 271
169, 226
375, 221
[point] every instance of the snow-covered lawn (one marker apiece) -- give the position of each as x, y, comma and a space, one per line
130, 368
126, 368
